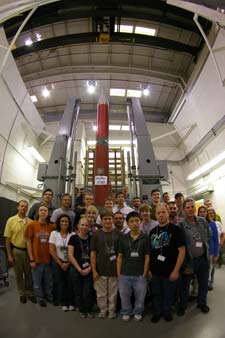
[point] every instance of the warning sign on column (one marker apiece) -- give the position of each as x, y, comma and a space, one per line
100, 180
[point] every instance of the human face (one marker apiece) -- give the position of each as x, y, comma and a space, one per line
91, 217
120, 199
166, 198
172, 210
145, 216
108, 205
22, 208
134, 224
47, 197
64, 224
43, 212
208, 204
190, 209
137, 203
107, 222
66, 202
162, 215
156, 197
202, 212
211, 215
118, 221
88, 200
179, 201
83, 227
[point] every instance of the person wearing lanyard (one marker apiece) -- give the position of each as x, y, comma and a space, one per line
132, 268
81, 276
58, 248
167, 253
37, 234
104, 245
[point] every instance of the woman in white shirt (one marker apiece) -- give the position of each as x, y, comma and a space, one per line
58, 247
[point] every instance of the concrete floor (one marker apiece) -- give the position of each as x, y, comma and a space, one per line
28, 320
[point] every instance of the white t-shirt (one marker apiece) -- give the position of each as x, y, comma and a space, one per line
61, 244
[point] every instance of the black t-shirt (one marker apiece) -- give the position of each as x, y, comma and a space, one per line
81, 250
106, 246
164, 244
134, 252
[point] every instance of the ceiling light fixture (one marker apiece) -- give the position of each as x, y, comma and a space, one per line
34, 98
146, 91
28, 42
124, 28
145, 31
33, 152
95, 128
117, 92
134, 93
45, 92
38, 36
91, 86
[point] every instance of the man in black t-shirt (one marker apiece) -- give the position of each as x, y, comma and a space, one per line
167, 252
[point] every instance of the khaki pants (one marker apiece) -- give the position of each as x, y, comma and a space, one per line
106, 289
23, 272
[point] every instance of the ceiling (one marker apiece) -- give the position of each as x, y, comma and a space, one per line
69, 54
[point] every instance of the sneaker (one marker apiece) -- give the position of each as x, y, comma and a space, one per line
42, 303
180, 312
90, 315
125, 318
83, 315
65, 308
23, 299
102, 315
138, 318
210, 287
156, 318
32, 299
204, 308
71, 308
112, 315
168, 317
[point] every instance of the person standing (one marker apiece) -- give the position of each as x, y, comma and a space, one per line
132, 268
65, 209
16, 248
147, 224
155, 196
46, 200
37, 234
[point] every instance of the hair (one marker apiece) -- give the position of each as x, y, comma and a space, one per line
154, 190
165, 205
117, 212
136, 198
58, 223
187, 200
165, 193
108, 199
42, 205
172, 202
178, 194
201, 207
88, 194
46, 190
66, 194
91, 208
106, 213
214, 211
133, 214
145, 207
24, 201
120, 193
81, 219
205, 201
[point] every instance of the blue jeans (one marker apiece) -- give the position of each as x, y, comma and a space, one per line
201, 269
42, 281
137, 284
163, 293
63, 285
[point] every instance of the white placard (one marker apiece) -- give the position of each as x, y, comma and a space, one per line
100, 180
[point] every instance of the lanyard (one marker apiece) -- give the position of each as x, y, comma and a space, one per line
84, 248
106, 244
64, 240
131, 244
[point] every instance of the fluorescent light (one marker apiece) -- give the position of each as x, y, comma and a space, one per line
95, 128
145, 31
33, 152
133, 93
125, 128
114, 127
216, 160
45, 92
34, 98
146, 92
28, 42
124, 28
117, 92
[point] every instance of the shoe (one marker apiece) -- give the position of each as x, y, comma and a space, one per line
71, 308
125, 318
102, 315
90, 315
156, 318
112, 315
83, 315
204, 308
210, 287
32, 299
138, 318
168, 317
42, 303
65, 308
23, 299
192, 298
180, 312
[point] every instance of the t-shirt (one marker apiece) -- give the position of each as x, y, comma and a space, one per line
134, 252
15, 230
106, 246
39, 235
81, 250
164, 244
146, 228
61, 244
60, 211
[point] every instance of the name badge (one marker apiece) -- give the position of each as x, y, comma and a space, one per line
198, 244
112, 258
134, 254
43, 240
161, 258
85, 265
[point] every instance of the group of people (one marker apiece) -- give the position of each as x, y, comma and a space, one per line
77, 258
